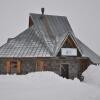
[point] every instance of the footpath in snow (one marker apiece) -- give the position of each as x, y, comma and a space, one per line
50, 86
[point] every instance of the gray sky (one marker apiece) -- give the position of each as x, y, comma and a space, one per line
83, 15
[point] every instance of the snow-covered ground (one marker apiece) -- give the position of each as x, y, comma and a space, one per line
49, 86
92, 75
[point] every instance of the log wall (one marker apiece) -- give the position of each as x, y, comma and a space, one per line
26, 65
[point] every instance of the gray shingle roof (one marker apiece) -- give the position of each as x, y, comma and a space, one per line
44, 39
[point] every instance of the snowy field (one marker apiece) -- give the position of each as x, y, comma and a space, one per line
49, 86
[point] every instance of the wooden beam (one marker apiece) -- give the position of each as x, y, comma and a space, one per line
8, 66
39, 65
18, 69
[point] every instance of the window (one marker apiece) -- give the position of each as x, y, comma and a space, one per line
13, 66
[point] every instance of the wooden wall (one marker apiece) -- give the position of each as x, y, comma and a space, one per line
25, 65
12, 64
84, 63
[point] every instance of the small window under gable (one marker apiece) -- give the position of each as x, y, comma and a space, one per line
68, 51
69, 48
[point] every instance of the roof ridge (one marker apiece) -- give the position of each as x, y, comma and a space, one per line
53, 15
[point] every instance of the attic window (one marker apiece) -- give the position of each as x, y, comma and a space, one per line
73, 50
69, 51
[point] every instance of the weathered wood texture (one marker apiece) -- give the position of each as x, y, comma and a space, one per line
84, 63
30, 22
69, 43
26, 65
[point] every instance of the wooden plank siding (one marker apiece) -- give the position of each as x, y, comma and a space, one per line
84, 63
10, 66
25, 65
18, 67
70, 43
39, 65
7, 67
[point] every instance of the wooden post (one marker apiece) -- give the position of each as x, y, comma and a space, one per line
8, 69
39, 65
18, 67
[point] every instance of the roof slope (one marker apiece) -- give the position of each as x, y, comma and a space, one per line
44, 39
87, 52
26, 44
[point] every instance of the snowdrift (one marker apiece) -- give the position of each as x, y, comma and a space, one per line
49, 86
92, 75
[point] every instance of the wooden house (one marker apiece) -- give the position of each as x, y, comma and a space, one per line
48, 44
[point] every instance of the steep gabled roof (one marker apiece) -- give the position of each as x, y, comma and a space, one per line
52, 28
44, 39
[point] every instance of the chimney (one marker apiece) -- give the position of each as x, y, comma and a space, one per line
42, 10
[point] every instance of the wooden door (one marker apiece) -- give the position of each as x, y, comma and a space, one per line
64, 70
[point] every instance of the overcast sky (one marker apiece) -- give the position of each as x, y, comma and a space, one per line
83, 15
